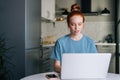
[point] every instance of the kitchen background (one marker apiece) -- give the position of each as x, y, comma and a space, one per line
97, 26
27, 23
97, 30
103, 25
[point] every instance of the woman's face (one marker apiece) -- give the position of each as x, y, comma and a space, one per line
76, 24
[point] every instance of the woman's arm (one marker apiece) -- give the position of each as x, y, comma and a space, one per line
57, 66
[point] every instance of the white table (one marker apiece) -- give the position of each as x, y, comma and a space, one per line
41, 76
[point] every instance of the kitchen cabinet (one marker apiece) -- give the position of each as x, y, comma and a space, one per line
46, 64
108, 48
48, 9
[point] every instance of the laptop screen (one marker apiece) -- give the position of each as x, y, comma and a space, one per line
76, 66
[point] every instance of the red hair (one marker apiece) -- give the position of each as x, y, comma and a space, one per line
75, 7
73, 13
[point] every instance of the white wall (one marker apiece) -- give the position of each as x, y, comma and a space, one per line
57, 30
96, 30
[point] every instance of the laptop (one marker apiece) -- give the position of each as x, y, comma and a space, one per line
85, 66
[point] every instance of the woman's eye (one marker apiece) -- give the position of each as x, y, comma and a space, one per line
72, 24
80, 24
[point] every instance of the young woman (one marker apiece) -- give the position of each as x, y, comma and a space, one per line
74, 42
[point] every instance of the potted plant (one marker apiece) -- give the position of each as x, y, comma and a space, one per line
5, 73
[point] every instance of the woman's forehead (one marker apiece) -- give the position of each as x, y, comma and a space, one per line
76, 18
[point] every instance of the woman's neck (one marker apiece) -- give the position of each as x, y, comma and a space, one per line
76, 37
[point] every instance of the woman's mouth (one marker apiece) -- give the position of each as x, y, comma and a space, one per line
76, 31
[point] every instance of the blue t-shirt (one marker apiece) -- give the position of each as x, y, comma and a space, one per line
66, 45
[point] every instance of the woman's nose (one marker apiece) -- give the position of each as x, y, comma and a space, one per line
76, 26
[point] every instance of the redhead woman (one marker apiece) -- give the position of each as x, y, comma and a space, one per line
74, 42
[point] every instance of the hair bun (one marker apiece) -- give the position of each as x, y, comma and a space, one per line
75, 7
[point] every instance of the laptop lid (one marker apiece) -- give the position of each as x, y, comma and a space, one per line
85, 65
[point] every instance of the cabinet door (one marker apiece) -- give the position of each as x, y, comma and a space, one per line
48, 9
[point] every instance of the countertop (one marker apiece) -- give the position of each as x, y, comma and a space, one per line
109, 44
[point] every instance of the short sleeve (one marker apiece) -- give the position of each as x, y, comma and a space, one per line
93, 48
56, 53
